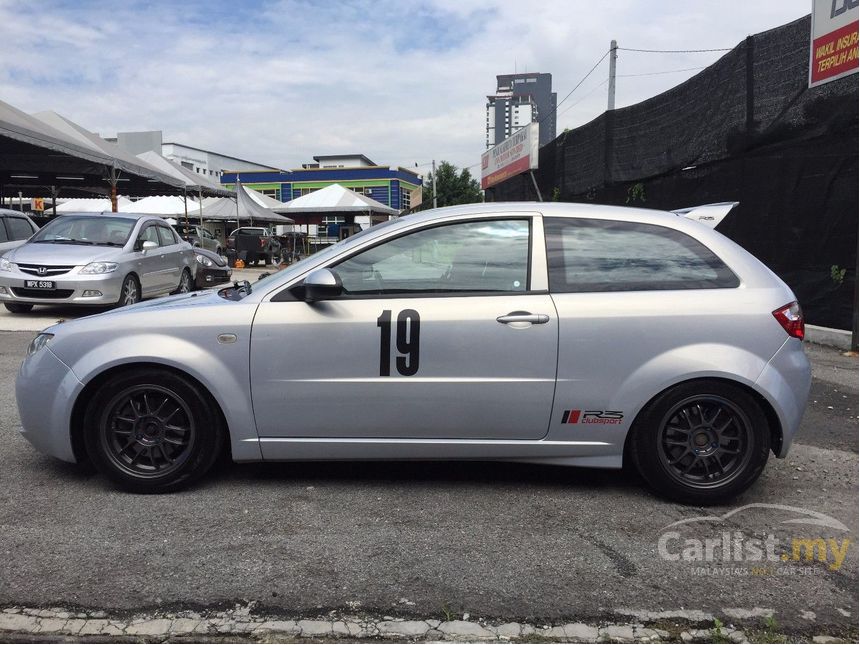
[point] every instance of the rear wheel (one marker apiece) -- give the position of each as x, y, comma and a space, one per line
130, 292
701, 442
152, 431
18, 307
185, 282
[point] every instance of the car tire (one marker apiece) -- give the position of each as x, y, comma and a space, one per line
152, 431
130, 292
701, 442
186, 284
18, 307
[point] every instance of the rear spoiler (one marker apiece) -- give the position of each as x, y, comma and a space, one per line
708, 214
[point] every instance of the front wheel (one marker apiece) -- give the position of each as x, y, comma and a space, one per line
18, 307
701, 442
130, 291
152, 431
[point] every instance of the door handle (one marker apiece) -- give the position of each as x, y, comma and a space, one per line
523, 317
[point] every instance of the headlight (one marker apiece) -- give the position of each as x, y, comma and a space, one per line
38, 343
100, 267
202, 259
6, 265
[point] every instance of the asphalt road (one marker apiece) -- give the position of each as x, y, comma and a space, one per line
504, 541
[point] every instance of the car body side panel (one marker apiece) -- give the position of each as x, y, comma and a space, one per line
619, 350
191, 345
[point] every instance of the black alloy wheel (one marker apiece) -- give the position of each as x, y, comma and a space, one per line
701, 442
152, 430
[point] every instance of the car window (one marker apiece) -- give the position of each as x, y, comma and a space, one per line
3, 236
166, 235
602, 255
19, 228
149, 234
469, 256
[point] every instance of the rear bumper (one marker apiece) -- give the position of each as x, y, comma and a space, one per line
785, 383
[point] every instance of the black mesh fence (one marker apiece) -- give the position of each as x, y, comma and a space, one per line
745, 129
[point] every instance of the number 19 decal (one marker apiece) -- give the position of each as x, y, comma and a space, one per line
408, 335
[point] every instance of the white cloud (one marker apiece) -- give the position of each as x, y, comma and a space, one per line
278, 82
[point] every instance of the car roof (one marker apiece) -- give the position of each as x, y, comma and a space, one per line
569, 209
13, 213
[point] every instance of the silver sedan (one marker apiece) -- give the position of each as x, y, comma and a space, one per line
96, 259
554, 333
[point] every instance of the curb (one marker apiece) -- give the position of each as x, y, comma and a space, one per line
243, 623
838, 338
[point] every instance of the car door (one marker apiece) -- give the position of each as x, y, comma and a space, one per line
207, 240
446, 332
171, 250
150, 264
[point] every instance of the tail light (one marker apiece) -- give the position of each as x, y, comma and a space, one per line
263, 242
790, 316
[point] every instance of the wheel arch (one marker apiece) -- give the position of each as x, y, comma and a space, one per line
774, 425
76, 427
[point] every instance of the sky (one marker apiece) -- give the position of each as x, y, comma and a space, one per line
279, 81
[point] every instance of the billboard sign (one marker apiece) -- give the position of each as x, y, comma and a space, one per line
516, 154
833, 42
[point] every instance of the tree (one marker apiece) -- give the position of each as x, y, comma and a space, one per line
452, 187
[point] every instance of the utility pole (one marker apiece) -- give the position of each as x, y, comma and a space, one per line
434, 183
613, 57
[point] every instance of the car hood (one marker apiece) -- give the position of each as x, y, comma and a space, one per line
75, 254
150, 312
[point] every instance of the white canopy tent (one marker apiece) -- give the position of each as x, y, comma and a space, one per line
161, 205
336, 198
89, 204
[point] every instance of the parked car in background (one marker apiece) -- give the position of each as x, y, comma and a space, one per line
15, 229
96, 259
198, 237
257, 242
212, 269
554, 333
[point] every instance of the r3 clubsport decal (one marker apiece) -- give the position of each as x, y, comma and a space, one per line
592, 416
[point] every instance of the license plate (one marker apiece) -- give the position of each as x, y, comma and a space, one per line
39, 284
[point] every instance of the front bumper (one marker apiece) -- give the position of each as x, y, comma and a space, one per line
45, 389
69, 288
210, 276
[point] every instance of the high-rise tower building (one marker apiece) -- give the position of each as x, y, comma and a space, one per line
519, 100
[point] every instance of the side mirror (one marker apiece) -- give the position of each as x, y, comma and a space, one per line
148, 245
322, 284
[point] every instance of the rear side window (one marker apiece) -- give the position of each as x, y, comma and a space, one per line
19, 228
587, 255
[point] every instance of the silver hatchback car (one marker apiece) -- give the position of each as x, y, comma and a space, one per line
555, 333
96, 259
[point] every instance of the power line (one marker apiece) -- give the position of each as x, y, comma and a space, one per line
669, 71
676, 51
582, 80
593, 90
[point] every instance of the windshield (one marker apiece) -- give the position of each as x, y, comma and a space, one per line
249, 231
94, 230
